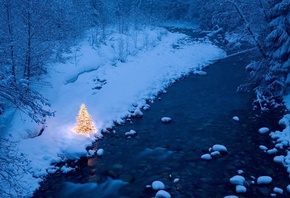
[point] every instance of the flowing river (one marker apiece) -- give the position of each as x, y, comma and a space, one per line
201, 108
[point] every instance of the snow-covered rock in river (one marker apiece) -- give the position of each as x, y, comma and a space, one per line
262, 147
206, 157
221, 148
278, 190
100, 152
176, 180
166, 119
264, 180
137, 113
272, 151
264, 130
236, 118
231, 196
146, 107
240, 172
91, 153
158, 185
241, 189
279, 146
162, 194
215, 153
288, 188
237, 180
279, 159
130, 133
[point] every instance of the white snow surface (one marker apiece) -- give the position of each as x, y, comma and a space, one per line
154, 65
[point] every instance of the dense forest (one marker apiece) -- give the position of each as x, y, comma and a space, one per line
35, 34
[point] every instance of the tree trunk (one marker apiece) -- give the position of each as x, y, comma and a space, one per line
11, 39
28, 50
247, 24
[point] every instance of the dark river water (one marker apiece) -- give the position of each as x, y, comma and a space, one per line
201, 108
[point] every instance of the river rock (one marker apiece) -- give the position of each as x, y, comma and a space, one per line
237, 180
100, 152
221, 148
158, 185
278, 190
137, 113
162, 194
288, 188
131, 133
264, 180
236, 118
241, 189
206, 157
166, 119
279, 159
263, 130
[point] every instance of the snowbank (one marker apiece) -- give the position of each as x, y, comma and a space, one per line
109, 80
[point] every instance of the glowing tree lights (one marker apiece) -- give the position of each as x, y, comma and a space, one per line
84, 123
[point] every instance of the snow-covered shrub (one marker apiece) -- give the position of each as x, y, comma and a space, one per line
13, 167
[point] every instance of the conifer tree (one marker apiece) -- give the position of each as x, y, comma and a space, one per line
84, 123
278, 48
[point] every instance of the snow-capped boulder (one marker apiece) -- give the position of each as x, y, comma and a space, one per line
215, 153
166, 119
240, 172
237, 180
100, 152
272, 151
288, 188
206, 157
176, 180
130, 133
236, 118
162, 194
220, 148
264, 130
264, 180
279, 159
262, 147
158, 185
278, 190
146, 107
137, 113
241, 189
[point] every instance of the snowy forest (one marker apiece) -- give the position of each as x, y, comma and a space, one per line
38, 34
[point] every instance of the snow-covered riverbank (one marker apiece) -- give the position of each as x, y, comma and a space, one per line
114, 81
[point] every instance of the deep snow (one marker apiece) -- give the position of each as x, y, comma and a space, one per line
113, 80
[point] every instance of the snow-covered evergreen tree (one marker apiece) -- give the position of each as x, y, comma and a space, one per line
277, 44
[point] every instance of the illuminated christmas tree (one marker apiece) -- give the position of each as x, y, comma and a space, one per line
85, 123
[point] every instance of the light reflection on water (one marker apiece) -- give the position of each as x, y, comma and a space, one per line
107, 189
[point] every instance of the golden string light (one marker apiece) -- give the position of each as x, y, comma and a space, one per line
84, 123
